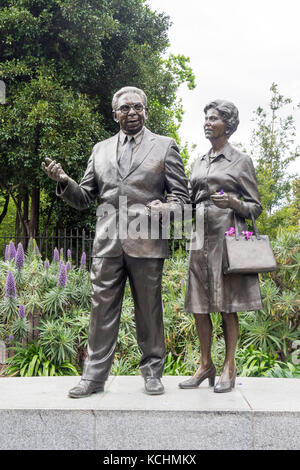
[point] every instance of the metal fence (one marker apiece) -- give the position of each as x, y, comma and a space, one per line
76, 240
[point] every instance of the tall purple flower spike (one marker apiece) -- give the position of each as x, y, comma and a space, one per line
22, 312
68, 266
10, 286
55, 254
46, 264
37, 251
69, 254
20, 257
11, 250
83, 260
62, 277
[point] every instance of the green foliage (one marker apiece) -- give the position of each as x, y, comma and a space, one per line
287, 251
284, 371
273, 149
266, 337
8, 222
174, 366
55, 301
30, 361
255, 363
19, 328
57, 340
9, 308
62, 61
60, 312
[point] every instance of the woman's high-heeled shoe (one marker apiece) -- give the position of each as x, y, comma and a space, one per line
194, 381
226, 386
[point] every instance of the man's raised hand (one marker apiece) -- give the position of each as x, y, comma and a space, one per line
54, 170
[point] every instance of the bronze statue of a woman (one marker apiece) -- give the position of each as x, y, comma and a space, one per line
222, 183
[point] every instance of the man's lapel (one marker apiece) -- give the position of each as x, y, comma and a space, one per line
111, 150
143, 151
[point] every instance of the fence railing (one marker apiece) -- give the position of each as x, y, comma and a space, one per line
76, 240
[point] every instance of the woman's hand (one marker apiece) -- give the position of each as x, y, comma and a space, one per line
225, 201
54, 171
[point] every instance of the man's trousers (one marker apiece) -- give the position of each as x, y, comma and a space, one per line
108, 278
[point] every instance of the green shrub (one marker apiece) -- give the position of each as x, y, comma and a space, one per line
255, 363
265, 339
30, 361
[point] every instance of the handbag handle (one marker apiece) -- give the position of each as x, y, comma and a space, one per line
237, 234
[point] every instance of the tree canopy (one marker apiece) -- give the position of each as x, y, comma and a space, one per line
62, 61
273, 149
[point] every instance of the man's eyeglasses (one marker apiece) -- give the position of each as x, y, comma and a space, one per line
125, 108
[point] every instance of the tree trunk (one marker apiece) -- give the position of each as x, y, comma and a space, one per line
18, 222
46, 223
5, 208
34, 212
25, 217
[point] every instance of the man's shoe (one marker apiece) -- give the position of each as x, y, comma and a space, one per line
153, 386
86, 388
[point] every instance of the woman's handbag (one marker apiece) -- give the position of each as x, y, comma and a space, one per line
253, 255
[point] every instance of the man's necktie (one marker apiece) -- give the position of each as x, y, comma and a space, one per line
125, 160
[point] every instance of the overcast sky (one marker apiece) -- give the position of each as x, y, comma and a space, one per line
237, 49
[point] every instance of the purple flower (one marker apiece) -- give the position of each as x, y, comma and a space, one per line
181, 282
230, 232
19, 258
37, 251
11, 250
10, 286
247, 234
46, 264
6, 253
62, 277
83, 260
55, 254
69, 254
68, 266
222, 192
11, 337
21, 311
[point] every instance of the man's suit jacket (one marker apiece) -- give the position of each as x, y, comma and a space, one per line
156, 172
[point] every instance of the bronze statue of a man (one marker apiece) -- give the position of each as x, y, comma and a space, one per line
144, 172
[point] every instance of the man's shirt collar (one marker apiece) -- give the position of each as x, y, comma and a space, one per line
137, 137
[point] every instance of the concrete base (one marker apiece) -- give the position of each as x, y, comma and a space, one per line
260, 413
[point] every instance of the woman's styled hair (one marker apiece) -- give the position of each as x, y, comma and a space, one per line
228, 112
